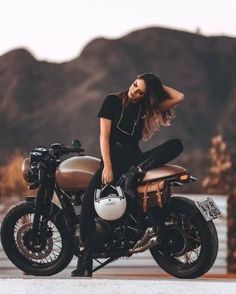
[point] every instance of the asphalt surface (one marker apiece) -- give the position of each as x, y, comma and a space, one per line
138, 267
115, 286
135, 275
141, 266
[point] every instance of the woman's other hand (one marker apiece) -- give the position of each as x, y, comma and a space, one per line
105, 130
107, 175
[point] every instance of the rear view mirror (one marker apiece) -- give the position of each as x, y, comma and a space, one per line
76, 143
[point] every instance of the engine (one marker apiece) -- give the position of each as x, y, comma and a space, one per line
117, 235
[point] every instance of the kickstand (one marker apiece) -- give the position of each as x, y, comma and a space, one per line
102, 264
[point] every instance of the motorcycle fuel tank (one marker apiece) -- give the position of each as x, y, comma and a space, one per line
76, 172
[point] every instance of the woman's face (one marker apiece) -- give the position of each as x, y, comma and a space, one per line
137, 90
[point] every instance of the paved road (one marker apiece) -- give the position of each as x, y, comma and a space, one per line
115, 286
136, 275
141, 266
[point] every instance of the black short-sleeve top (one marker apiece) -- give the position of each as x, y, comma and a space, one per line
127, 122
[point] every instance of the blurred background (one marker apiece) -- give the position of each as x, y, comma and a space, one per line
60, 58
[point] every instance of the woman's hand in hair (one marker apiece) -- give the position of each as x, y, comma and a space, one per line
107, 175
174, 97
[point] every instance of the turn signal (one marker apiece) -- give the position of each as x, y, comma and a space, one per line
184, 177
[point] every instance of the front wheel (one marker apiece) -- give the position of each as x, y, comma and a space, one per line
53, 251
190, 244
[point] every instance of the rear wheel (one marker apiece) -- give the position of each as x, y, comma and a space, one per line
190, 244
53, 251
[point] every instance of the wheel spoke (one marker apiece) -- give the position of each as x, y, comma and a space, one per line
57, 246
194, 239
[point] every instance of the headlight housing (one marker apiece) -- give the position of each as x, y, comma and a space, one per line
29, 173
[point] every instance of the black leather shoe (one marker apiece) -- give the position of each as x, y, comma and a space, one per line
84, 265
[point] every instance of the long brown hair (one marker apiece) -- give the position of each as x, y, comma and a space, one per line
154, 118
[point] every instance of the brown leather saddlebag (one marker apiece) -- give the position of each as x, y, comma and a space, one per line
153, 194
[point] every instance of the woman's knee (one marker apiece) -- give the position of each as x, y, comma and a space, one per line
176, 145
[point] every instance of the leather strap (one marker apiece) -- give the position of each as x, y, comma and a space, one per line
159, 190
145, 197
159, 193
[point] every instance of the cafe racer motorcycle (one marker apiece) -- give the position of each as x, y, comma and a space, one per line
40, 236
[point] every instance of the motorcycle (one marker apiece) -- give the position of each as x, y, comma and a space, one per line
40, 237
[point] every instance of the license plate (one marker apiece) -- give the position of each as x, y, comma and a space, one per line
208, 208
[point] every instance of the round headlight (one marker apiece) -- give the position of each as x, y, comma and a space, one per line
27, 172
25, 167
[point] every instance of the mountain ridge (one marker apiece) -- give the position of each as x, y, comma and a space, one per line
42, 102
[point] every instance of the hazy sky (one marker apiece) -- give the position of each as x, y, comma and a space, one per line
57, 30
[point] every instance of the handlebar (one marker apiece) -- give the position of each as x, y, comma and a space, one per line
73, 150
43, 161
61, 149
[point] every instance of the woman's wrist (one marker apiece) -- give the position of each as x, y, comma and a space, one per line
107, 165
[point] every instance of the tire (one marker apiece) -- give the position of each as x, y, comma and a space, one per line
199, 235
41, 263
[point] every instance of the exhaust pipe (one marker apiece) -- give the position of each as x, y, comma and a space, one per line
149, 244
149, 240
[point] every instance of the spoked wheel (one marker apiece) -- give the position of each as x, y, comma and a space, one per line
181, 239
190, 244
48, 247
51, 252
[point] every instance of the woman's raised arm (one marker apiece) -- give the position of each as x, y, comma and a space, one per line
174, 98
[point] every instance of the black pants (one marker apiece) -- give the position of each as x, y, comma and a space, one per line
122, 160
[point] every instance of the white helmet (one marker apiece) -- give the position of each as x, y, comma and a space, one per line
112, 206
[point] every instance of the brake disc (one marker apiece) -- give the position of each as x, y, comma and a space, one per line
24, 245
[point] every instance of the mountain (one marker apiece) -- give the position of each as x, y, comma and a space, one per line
43, 102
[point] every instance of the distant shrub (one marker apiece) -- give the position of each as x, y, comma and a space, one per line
12, 183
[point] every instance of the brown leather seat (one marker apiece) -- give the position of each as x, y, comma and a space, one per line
163, 172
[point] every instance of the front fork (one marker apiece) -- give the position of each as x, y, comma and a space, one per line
43, 210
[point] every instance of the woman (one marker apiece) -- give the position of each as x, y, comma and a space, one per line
125, 118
